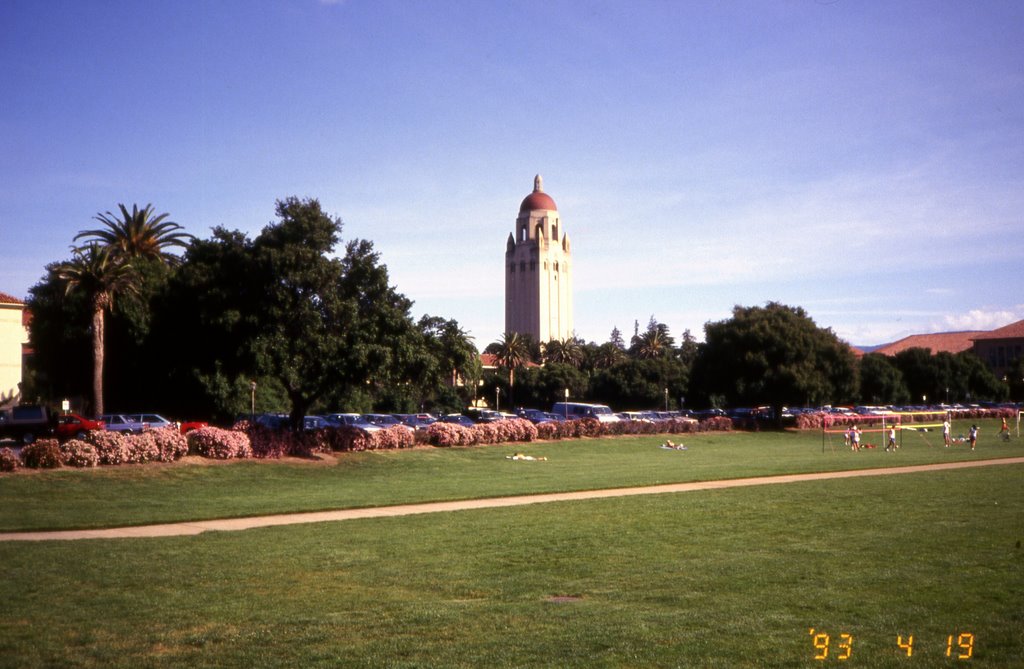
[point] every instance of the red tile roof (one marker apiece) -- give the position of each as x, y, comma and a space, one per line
949, 342
9, 299
1011, 331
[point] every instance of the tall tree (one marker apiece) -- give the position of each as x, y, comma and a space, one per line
564, 351
512, 352
774, 355
881, 381
101, 276
138, 234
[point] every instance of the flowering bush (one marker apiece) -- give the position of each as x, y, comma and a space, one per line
213, 442
265, 443
77, 453
516, 429
486, 433
113, 448
451, 434
42, 454
716, 424
142, 448
8, 460
548, 431
170, 444
395, 436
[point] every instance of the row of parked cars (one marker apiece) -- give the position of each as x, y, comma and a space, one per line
372, 422
26, 423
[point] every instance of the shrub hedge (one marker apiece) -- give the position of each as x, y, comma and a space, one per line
42, 454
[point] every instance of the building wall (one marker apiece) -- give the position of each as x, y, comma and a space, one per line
538, 277
999, 354
12, 336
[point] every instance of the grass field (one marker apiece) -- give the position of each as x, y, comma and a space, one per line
730, 578
135, 495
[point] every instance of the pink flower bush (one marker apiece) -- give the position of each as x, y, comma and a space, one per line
42, 454
515, 429
142, 448
549, 431
395, 436
716, 424
486, 433
213, 442
451, 434
170, 444
111, 447
77, 453
8, 460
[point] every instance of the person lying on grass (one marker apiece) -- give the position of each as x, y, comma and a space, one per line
523, 456
673, 447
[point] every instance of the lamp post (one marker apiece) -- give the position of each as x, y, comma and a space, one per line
666, 400
566, 405
497, 397
252, 401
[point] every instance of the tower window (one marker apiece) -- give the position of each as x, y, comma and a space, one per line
533, 266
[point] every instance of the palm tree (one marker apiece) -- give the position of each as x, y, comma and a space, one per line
511, 353
652, 344
100, 275
138, 234
566, 351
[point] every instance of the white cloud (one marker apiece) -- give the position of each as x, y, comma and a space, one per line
980, 319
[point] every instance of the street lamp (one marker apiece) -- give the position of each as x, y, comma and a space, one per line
566, 405
252, 400
497, 396
666, 400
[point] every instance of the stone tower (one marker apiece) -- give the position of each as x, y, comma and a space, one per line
538, 271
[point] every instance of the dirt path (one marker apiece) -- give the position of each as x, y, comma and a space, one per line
234, 524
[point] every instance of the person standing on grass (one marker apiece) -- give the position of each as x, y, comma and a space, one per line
855, 437
1004, 431
892, 438
973, 436
945, 431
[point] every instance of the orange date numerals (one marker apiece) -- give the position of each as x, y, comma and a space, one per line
907, 645
822, 644
964, 646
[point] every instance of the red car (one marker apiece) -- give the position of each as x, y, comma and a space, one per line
73, 426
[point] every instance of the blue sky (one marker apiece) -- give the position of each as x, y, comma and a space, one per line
862, 160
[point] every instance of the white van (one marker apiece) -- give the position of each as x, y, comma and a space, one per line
576, 410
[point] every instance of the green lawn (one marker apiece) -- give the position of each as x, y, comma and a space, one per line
133, 495
728, 578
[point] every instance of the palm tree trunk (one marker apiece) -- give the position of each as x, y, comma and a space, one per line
97, 359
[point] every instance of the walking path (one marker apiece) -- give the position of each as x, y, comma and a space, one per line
234, 524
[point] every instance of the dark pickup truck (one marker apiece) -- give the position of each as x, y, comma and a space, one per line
26, 423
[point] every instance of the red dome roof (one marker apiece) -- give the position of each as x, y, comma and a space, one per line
538, 199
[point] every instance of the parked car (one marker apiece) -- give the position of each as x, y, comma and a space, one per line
352, 420
120, 423
536, 416
156, 421
384, 420
73, 426
315, 423
458, 419
26, 423
483, 415
417, 421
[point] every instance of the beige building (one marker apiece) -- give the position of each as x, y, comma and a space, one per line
538, 271
13, 337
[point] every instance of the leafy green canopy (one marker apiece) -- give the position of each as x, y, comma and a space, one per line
774, 355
